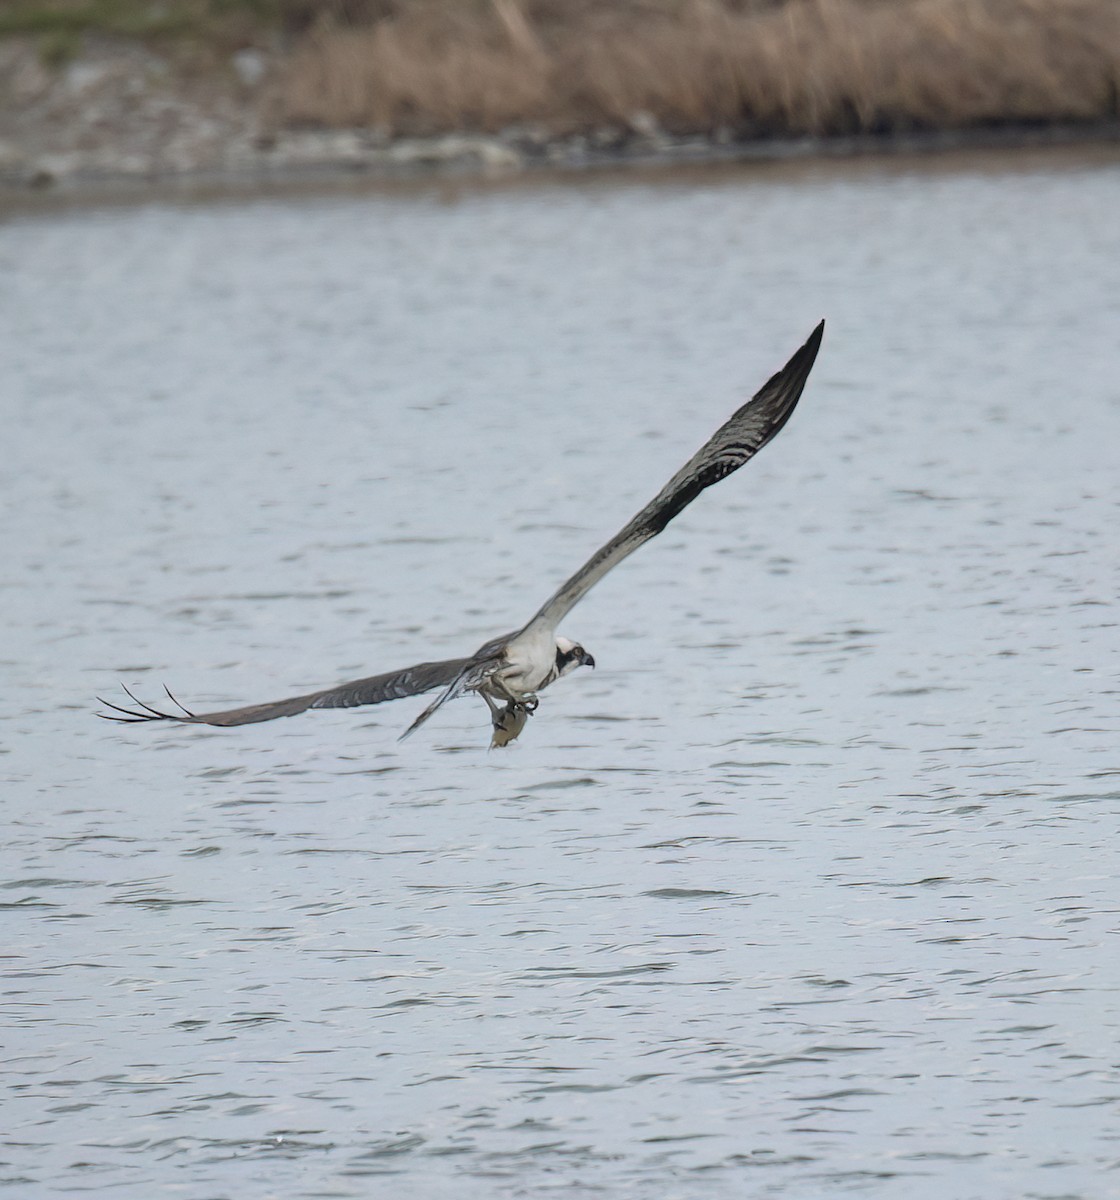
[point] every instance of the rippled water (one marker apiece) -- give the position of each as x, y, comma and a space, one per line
810, 889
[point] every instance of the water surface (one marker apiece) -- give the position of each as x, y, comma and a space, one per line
808, 890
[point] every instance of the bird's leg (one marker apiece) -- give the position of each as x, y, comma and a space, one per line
509, 719
526, 700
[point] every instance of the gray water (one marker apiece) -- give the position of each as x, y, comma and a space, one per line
810, 889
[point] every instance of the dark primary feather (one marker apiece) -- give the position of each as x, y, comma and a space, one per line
393, 685
736, 441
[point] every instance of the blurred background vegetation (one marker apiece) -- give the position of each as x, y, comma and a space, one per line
734, 68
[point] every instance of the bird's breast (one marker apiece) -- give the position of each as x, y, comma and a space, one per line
530, 664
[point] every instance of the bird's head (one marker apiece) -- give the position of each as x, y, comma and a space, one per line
570, 655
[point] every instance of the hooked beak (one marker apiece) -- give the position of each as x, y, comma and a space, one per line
586, 660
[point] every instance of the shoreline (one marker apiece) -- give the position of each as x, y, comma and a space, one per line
336, 157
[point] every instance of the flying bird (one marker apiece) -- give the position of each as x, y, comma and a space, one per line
509, 671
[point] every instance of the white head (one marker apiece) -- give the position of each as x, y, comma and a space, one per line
570, 655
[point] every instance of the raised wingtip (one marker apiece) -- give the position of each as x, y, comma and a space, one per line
803, 359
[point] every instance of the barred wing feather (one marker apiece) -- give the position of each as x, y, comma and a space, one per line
736, 442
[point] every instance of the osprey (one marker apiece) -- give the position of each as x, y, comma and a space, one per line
509, 671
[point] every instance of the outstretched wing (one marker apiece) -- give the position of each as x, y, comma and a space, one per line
735, 442
393, 685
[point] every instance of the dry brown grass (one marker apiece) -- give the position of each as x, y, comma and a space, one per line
752, 67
